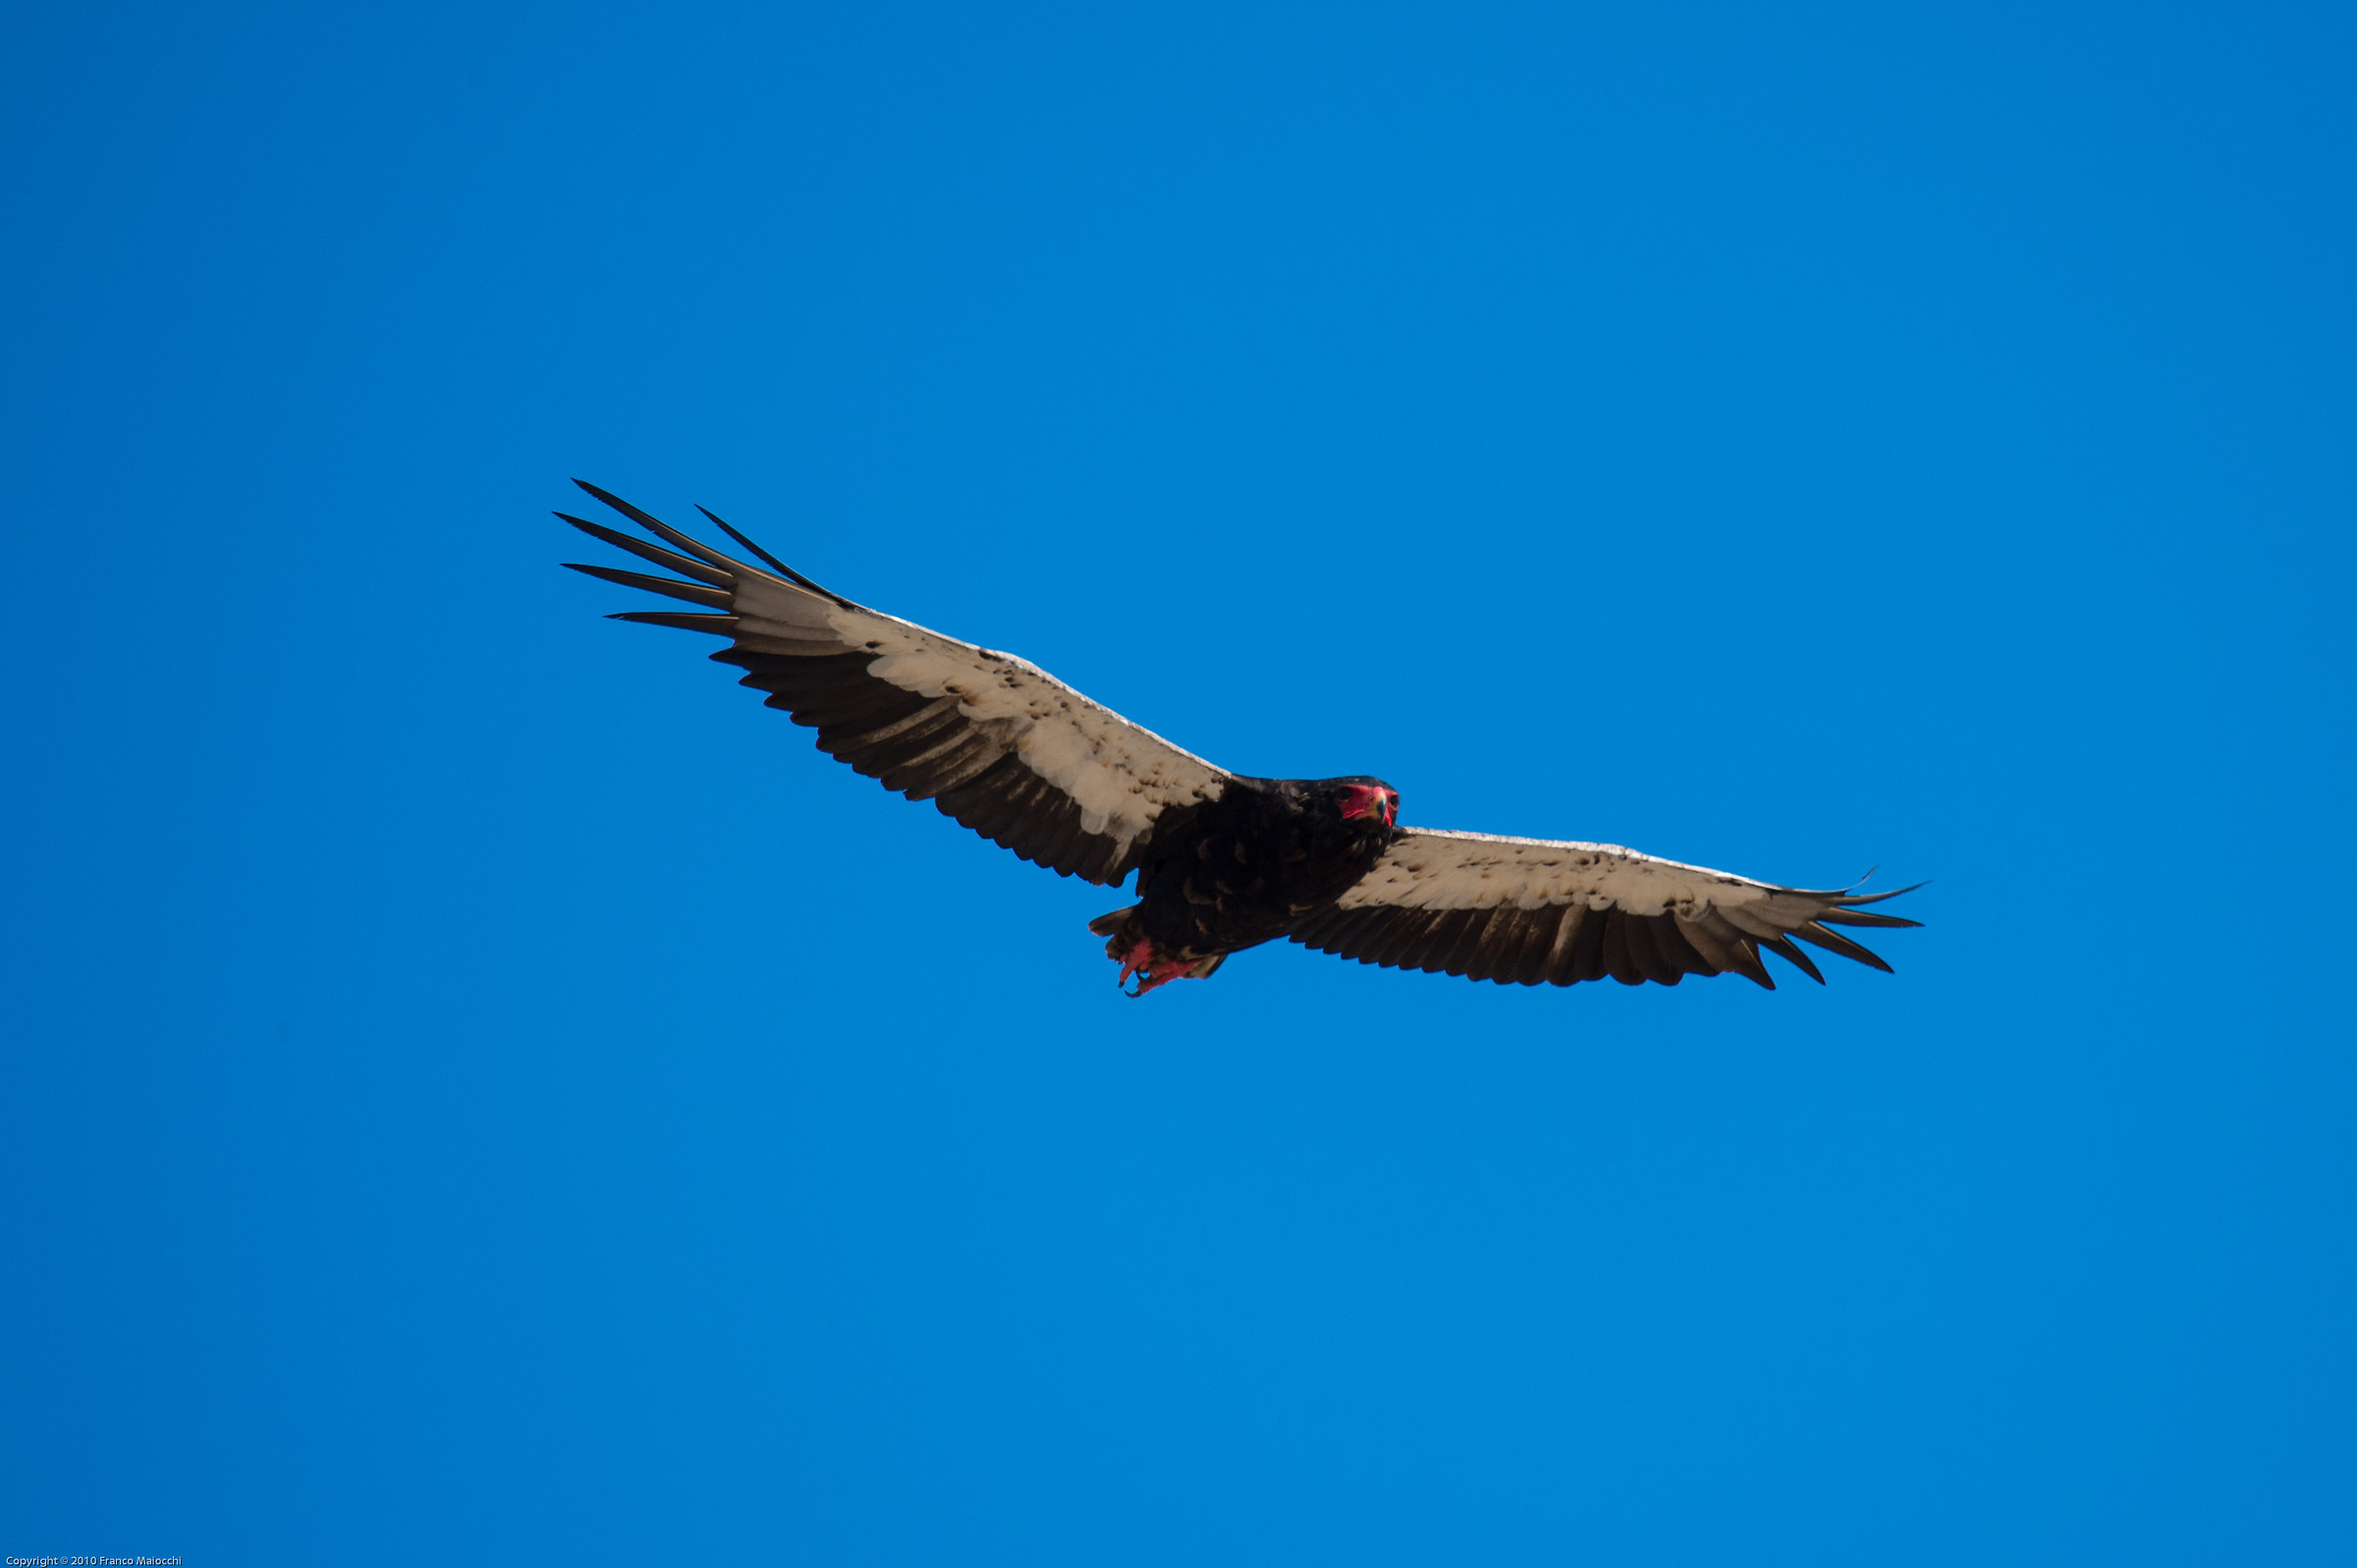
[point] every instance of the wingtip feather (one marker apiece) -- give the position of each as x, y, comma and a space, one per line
769, 559
1852, 899
1783, 947
1817, 935
684, 621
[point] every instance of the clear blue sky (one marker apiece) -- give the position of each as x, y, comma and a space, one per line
478, 1085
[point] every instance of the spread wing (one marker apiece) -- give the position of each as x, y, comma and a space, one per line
1526, 910
998, 743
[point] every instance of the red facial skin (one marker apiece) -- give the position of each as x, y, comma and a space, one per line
1371, 800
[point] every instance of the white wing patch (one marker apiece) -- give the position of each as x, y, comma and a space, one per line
1119, 774
1429, 870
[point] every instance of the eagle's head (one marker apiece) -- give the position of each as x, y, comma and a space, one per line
1360, 799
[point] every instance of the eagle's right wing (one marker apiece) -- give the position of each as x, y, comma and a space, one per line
994, 741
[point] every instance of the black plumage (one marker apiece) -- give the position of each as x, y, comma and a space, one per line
1223, 861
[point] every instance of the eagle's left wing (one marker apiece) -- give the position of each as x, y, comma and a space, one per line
1526, 910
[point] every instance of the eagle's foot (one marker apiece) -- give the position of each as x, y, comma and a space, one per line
1151, 971
1137, 957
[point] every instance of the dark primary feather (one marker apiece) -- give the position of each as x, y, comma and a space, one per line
662, 530
782, 569
717, 625
685, 566
1833, 942
694, 593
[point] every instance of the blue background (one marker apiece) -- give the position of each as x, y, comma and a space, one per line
476, 1083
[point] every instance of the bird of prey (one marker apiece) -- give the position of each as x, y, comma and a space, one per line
1223, 861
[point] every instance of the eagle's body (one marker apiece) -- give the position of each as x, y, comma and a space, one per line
1223, 861
1244, 870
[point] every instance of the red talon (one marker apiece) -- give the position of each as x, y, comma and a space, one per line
1162, 974
1139, 960
1139, 957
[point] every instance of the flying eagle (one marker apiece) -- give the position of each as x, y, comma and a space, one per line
1223, 861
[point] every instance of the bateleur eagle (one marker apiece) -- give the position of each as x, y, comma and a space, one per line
1223, 861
